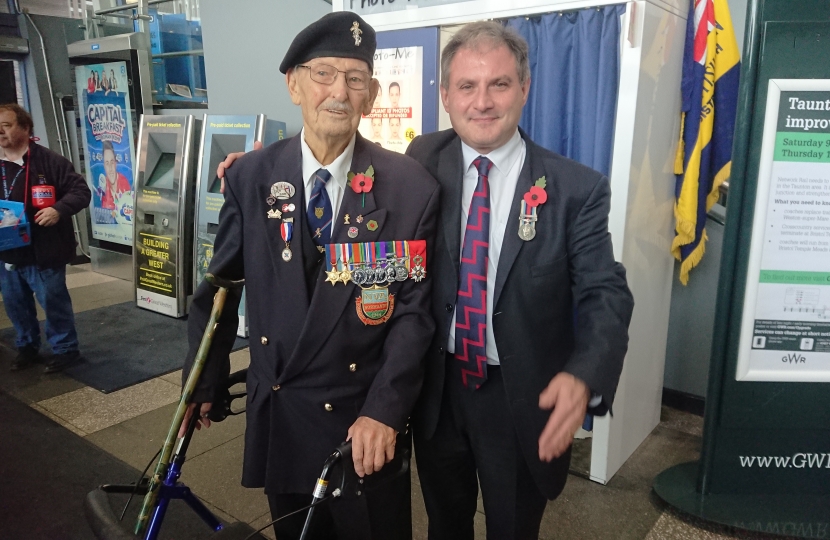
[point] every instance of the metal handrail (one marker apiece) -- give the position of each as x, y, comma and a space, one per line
130, 7
194, 52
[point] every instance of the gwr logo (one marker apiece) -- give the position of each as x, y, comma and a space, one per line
794, 358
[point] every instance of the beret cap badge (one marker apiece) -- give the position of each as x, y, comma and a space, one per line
356, 31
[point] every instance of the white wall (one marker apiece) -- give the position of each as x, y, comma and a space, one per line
243, 51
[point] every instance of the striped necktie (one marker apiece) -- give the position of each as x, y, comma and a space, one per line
319, 211
471, 305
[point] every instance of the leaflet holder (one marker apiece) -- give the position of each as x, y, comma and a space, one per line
223, 135
165, 189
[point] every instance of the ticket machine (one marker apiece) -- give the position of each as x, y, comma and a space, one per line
223, 135
165, 190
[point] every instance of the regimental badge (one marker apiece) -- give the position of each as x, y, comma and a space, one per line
288, 207
352, 232
346, 220
372, 225
318, 212
359, 219
375, 305
282, 190
356, 31
274, 214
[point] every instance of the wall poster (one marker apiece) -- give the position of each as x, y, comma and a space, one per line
785, 330
107, 131
397, 116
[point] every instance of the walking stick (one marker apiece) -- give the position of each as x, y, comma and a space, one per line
162, 474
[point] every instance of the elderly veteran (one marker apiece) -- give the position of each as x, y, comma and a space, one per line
330, 233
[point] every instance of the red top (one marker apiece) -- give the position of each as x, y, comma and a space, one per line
122, 185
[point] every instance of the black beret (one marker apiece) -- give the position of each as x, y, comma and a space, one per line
341, 34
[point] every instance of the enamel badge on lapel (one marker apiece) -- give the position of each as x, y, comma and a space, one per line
273, 213
282, 191
528, 212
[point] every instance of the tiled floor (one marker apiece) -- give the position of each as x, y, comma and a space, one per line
131, 423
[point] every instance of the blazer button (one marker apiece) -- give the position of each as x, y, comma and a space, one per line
449, 308
352, 367
328, 407
275, 387
440, 350
263, 340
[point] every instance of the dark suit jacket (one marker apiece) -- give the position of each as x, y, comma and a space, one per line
302, 348
561, 301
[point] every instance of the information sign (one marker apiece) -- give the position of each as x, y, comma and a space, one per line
785, 331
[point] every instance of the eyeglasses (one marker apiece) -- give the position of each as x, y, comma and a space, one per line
323, 74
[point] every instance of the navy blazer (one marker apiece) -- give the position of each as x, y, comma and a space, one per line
303, 391
561, 302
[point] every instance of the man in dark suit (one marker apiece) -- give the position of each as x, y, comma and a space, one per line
531, 321
336, 352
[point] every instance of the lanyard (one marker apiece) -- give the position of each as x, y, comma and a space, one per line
6, 189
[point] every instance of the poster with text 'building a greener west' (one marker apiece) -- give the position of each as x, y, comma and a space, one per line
785, 332
107, 130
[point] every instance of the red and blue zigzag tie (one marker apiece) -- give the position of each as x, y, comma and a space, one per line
471, 303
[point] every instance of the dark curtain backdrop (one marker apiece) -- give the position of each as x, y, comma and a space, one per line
574, 65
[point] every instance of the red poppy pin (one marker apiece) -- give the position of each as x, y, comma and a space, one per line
537, 195
362, 182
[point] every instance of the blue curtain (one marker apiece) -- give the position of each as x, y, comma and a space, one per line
574, 66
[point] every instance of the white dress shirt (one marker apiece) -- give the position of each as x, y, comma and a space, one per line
339, 170
503, 178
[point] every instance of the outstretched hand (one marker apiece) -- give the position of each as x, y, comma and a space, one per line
229, 159
568, 397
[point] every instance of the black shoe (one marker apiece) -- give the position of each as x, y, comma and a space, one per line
26, 356
59, 362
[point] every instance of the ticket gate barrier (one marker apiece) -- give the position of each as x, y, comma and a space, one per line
223, 135
165, 189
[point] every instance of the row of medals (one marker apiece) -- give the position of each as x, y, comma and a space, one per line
377, 273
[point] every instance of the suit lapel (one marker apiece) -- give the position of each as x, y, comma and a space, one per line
451, 177
291, 273
354, 204
512, 244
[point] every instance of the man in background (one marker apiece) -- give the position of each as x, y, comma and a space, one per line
52, 192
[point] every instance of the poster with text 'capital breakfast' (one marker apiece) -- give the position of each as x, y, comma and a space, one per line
107, 131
